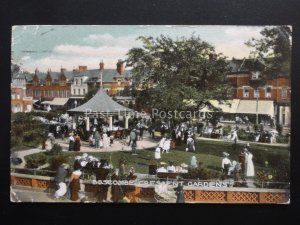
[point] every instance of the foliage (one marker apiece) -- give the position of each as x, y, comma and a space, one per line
91, 92
56, 161
25, 132
226, 130
282, 139
35, 160
55, 150
201, 173
168, 71
255, 127
273, 50
279, 128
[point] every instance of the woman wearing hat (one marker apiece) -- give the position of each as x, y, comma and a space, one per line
74, 182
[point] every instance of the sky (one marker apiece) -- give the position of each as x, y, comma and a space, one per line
68, 46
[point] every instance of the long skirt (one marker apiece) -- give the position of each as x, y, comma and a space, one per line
75, 187
71, 146
77, 146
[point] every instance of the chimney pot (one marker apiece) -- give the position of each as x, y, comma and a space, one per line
120, 67
101, 65
82, 68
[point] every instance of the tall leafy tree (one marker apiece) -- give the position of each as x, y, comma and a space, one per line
273, 50
168, 72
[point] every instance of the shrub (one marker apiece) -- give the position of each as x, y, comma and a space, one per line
35, 160
56, 161
282, 139
226, 130
279, 128
242, 134
55, 150
255, 127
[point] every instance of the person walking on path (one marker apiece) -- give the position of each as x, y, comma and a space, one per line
179, 193
97, 139
71, 143
77, 143
75, 182
190, 144
249, 164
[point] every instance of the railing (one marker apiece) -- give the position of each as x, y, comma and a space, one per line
197, 191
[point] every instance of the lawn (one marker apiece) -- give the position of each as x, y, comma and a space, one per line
207, 152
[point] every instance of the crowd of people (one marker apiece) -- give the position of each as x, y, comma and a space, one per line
243, 168
69, 185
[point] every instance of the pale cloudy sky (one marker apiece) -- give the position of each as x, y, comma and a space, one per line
68, 46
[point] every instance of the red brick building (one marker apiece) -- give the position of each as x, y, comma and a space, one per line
48, 86
246, 86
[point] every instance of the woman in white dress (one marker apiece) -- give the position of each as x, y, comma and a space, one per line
249, 164
105, 140
157, 153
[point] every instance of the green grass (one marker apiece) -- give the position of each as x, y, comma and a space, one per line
207, 152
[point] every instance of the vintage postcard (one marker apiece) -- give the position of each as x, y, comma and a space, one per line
150, 114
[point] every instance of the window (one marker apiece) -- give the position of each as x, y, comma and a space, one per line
284, 92
246, 92
268, 92
12, 96
255, 75
81, 81
83, 91
76, 81
74, 91
18, 96
78, 91
48, 83
256, 92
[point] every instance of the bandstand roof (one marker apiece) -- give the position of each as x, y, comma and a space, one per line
101, 103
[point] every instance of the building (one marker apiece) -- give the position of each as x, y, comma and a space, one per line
113, 80
247, 86
50, 85
68, 88
19, 101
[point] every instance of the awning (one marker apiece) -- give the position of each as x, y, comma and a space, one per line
265, 107
56, 101
238, 106
228, 106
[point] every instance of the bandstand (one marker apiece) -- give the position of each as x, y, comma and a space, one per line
100, 106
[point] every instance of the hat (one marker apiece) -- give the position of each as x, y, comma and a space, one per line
65, 166
183, 165
84, 155
225, 154
77, 157
163, 163
83, 163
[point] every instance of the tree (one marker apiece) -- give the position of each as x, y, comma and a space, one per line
92, 91
273, 50
167, 72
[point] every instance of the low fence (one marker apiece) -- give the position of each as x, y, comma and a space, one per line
191, 193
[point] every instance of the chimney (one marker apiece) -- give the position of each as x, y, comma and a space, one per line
63, 70
101, 64
120, 67
82, 68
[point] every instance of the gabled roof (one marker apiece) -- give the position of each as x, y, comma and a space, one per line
107, 75
101, 103
243, 65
